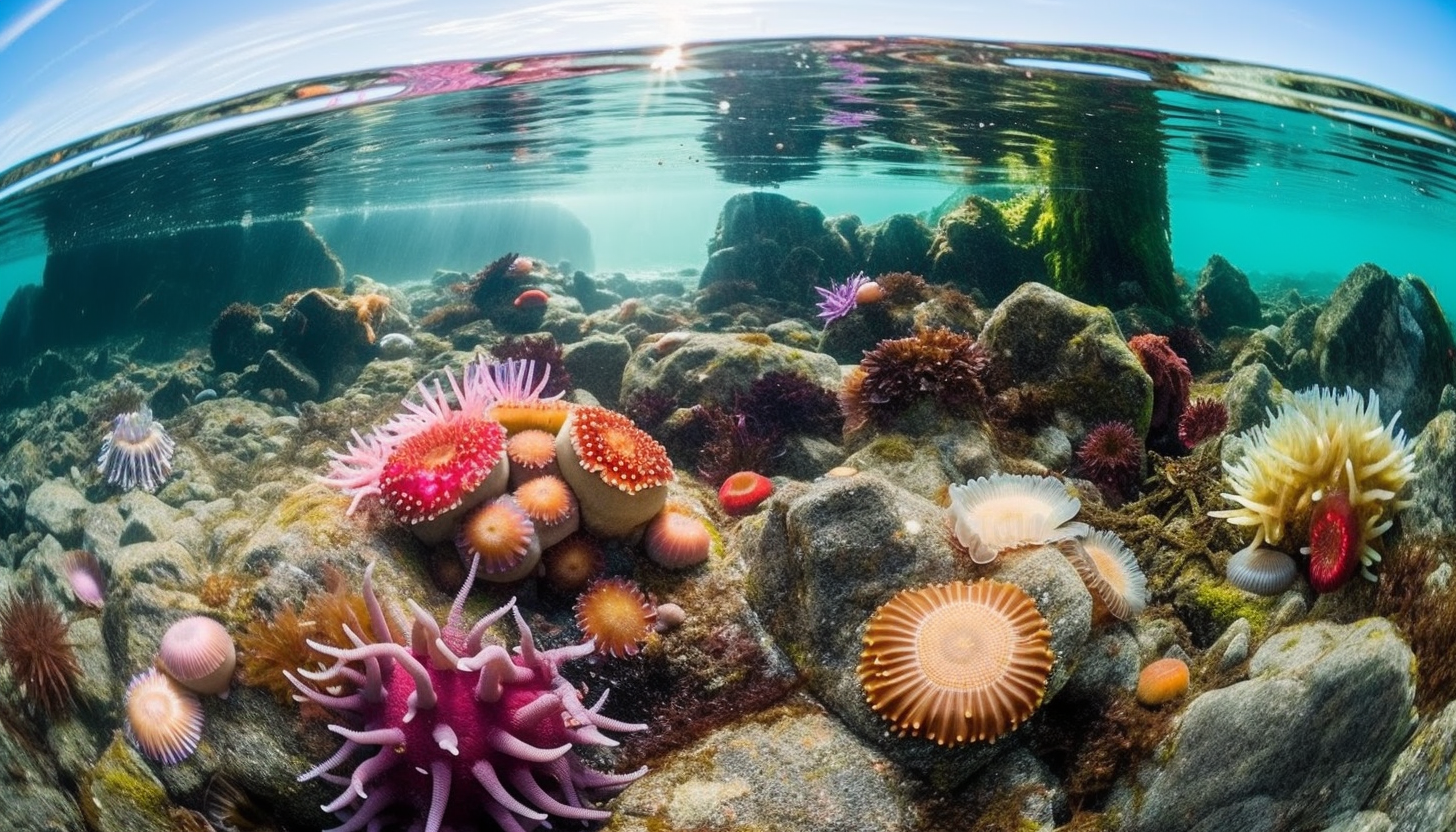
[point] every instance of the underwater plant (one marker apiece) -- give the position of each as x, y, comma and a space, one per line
1317, 445
463, 727
786, 402
917, 678
137, 452
34, 640
936, 365
733, 443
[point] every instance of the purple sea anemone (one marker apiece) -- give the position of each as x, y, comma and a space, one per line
137, 453
463, 726
840, 298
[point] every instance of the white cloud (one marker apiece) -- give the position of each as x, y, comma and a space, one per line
22, 24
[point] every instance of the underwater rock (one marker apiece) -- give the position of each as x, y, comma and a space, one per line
32, 798
1262, 347
49, 375
1249, 396
1432, 506
598, 362
1361, 822
171, 283
826, 555
1223, 298
55, 507
822, 779
899, 243
1074, 354
1417, 796
782, 246
1018, 787
974, 248
121, 794
926, 466
239, 338
1386, 334
276, 370
331, 336
707, 366
12, 507
147, 518
1306, 739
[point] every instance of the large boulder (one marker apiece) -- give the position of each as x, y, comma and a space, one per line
1224, 298
1306, 740
1073, 355
782, 246
1387, 334
704, 366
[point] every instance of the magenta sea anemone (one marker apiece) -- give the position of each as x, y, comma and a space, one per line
137, 453
840, 299
463, 727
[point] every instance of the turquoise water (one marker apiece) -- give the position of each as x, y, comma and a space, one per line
1283, 174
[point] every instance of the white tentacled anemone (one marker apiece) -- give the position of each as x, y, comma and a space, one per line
1318, 442
1004, 512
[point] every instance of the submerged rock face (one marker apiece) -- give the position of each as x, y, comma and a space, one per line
1386, 334
1418, 796
1224, 299
706, 366
174, 283
1303, 742
826, 556
782, 246
1432, 509
1074, 354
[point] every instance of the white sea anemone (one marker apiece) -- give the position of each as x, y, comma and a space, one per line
1000, 513
1318, 442
136, 452
1111, 572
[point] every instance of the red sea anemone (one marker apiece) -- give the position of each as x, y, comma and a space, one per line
460, 729
1203, 420
1171, 382
742, 492
1335, 543
444, 470
1112, 457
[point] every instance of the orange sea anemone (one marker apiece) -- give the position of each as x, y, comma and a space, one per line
616, 615
617, 470
957, 662
504, 539
551, 506
677, 538
163, 720
532, 453
573, 563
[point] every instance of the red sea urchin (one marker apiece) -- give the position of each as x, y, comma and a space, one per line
1203, 420
463, 727
1112, 457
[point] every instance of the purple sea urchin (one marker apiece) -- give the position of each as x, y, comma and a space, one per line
463, 727
840, 299
1112, 456
137, 453
1201, 421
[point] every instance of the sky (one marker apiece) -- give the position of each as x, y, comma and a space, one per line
74, 68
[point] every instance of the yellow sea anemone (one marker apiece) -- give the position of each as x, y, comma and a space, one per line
1317, 443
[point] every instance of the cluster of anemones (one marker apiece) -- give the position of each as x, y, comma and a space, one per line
1326, 476
525, 482
163, 715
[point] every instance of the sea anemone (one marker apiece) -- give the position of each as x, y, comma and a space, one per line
463, 727
937, 365
1203, 420
1111, 572
198, 652
1162, 681
163, 720
1261, 570
502, 538
616, 615
618, 472
743, 491
34, 641
1112, 457
1334, 543
551, 506
677, 538
545, 354
532, 454
957, 662
1319, 442
840, 299
137, 452
443, 471
573, 563
86, 577
1171, 382
1004, 512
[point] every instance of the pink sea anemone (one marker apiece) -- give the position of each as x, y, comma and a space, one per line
87, 579
163, 720
443, 471
198, 652
463, 727
137, 452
